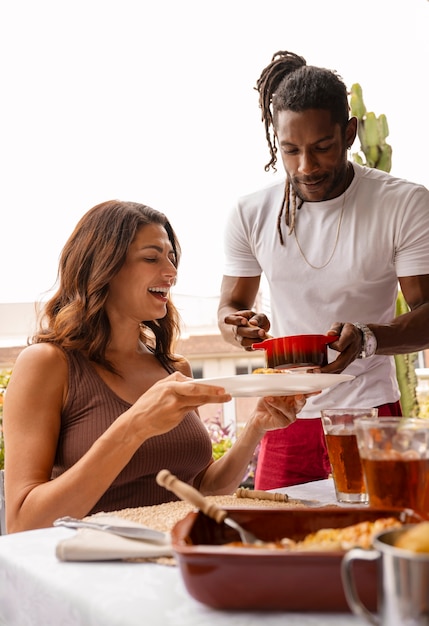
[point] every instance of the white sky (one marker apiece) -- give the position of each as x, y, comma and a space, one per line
153, 101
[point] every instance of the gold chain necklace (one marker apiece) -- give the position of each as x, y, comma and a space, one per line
340, 219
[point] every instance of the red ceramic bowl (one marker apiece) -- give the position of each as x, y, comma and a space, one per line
296, 350
227, 578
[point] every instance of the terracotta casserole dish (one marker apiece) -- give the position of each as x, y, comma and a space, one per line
246, 578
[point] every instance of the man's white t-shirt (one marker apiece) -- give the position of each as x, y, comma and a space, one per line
384, 235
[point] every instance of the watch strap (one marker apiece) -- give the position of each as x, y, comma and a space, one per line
369, 341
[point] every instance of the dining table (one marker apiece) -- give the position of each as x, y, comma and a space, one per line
39, 589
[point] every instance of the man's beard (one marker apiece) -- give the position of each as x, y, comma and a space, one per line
339, 181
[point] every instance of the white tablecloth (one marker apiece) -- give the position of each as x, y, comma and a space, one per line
322, 491
36, 589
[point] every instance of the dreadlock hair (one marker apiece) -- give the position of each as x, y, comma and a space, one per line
289, 84
75, 318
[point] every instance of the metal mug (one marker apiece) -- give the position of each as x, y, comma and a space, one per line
403, 583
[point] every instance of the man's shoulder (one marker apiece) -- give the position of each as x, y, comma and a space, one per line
365, 173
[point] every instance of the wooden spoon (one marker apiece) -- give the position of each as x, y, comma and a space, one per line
188, 493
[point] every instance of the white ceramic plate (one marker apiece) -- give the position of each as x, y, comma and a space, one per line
276, 384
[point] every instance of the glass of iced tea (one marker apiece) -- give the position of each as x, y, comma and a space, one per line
340, 436
395, 458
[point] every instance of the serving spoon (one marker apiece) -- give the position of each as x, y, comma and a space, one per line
191, 495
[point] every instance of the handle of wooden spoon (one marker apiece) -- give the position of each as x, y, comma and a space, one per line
244, 492
188, 493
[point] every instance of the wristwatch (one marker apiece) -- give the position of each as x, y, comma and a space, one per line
369, 341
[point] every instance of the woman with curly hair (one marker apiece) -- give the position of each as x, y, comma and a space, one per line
99, 403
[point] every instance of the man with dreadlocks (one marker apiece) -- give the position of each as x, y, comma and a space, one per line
333, 240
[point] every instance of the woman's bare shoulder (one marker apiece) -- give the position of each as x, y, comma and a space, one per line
40, 365
43, 355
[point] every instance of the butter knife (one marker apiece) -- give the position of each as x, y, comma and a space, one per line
131, 531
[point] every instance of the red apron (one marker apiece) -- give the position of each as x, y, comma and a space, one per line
297, 454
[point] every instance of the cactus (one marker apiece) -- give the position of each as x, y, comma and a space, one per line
372, 132
377, 153
406, 372
357, 104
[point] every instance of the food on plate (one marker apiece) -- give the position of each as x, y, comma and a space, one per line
325, 539
415, 539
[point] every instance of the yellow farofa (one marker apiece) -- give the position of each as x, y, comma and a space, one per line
357, 535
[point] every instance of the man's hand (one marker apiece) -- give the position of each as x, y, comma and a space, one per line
248, 327
348, 344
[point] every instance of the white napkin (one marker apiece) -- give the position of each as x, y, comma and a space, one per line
99, 545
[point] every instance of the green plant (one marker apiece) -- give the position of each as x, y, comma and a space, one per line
406, 371
377, 153
372, 132
222, 438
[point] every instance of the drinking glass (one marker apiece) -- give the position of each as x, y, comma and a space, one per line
395, 458
340, 436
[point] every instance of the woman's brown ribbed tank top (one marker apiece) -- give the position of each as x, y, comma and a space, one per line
91, 408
